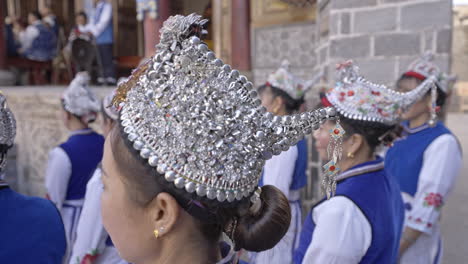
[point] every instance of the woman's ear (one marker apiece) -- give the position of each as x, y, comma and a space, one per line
163, 212
356, 142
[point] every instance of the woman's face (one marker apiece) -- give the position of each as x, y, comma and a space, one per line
126, 222
322, 138
272, 103
420, 107
80, 20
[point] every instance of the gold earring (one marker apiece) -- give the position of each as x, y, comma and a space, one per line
156, 233
350, 155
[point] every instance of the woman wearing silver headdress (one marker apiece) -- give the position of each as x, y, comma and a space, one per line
426, 164
182, 165
283, 94
31, 228
93, 244
363, 221
72, 164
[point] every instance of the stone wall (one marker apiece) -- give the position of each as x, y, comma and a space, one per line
383, 36
39, 129
271, 45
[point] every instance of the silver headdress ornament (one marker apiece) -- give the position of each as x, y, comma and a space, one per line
107, 106
79, 100
295, 87
7, 129
201, 124
424, 67
356, 98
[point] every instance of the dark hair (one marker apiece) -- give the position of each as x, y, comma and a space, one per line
374, 133
77, 116
253, 232
83, 14
291, 104
36, 14
441, 95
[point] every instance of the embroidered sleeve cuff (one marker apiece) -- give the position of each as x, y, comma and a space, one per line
419, 224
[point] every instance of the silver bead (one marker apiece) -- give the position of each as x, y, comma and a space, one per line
190, 187
161, 168
243, 79
238, 195
138, 145
218, 62
230, 196
210, 56
170, 176
179, 183
195, 40
202, 47
153, 161
201, 190
145, 153
132, 137
211, 193
221, 196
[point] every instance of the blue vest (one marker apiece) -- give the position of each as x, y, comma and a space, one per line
31, 229
44, 46
85, 153
404, 160
379, 198
106, 36
299, 175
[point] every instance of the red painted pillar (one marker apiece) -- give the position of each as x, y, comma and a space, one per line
151, 27
240, 35
3, 50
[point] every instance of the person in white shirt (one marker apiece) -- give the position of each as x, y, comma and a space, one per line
93, 244
426, 164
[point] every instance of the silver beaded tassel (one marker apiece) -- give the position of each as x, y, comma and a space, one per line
200, 123
433, 119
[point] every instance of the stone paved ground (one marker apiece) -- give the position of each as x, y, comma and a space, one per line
455, 214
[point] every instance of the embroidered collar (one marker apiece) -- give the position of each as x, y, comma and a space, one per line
362, 168
81, 132
414, 129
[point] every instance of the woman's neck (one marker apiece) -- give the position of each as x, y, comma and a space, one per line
187, 252
419, 120
359, 158
74, 126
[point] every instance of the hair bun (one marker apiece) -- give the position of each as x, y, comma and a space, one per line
264, 229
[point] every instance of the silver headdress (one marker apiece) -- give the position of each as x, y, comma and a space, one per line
79, 100
7, 129
107, 106
295, 87
201, 124
356, 98
424, 67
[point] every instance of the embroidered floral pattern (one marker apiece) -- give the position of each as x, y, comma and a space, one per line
433, 200
89, 258
419, 221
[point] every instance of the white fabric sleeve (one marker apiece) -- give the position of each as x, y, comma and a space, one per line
58, 174
342, 233
27, 36
279, 170
442, 162
91, 234
104, 20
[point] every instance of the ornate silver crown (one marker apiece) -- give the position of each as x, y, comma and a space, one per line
357, 98
200, 123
